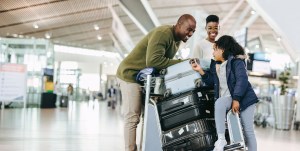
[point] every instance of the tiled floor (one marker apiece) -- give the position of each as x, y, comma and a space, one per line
91, 126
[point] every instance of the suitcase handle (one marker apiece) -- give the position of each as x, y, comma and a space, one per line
174, 106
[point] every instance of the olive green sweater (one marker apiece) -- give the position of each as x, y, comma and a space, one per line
156, 50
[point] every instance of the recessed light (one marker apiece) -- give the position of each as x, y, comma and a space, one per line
35, 25
253, 12
48, 35
278, 39
96, 27
99, 37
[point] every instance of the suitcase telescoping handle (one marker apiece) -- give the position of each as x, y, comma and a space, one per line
174, 106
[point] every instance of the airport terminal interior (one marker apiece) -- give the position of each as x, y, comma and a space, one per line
58, 63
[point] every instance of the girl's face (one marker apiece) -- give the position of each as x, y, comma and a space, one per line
212, 29
218, 53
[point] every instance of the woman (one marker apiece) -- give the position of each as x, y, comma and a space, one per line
233, 91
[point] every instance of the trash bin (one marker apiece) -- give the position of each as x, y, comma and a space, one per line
283, 106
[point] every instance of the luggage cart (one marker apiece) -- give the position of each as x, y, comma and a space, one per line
152, 136
236, 135
263, 112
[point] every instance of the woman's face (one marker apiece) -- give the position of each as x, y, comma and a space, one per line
212, 29
218, 53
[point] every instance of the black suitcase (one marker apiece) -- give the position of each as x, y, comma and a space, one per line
48, 100
187, 130
64, 101
195, 142
185, 108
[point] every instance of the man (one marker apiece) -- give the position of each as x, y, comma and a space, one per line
112, 97
156, 50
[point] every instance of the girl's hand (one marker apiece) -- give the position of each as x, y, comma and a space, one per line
235, 106
195, 64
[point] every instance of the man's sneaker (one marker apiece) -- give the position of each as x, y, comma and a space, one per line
219, 145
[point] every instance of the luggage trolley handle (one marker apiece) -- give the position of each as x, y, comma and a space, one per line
235, 132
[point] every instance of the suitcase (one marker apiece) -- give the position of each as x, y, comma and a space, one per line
64, 101
48, 100
185, 131
181, 78
181, 109
196, 142
235, 132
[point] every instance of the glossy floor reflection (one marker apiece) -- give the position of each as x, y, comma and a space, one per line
84, 126
91, 126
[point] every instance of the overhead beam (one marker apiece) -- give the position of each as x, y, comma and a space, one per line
250, 21
119, 29
117, 46
135, 9
242, 16
150, 12
232, 11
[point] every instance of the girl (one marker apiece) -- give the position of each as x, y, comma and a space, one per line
233, 91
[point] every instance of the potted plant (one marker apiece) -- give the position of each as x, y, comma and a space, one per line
284, 77
283, 102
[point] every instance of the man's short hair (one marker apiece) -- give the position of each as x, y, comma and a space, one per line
212, 18
185, 17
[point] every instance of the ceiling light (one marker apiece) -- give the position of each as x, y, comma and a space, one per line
48, 35
253, 12
35, 25
99, 37
96, 27
256, 46
278, 39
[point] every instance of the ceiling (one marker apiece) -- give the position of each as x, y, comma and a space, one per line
72, 22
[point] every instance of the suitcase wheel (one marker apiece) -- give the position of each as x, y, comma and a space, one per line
163, 72
197, 83
167, 93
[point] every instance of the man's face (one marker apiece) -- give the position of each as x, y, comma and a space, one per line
186, 30
212, 29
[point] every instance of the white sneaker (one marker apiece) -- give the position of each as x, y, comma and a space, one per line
219, 145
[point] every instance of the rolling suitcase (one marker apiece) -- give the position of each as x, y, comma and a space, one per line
196, 142
181, 109
185, 131
181, 78
235, 132
48, 100
64, 101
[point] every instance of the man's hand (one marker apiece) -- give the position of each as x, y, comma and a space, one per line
235, 106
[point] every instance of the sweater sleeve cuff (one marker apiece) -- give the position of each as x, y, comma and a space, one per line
204, 76
238, 98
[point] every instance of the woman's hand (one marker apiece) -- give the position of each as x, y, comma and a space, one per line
235, 106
